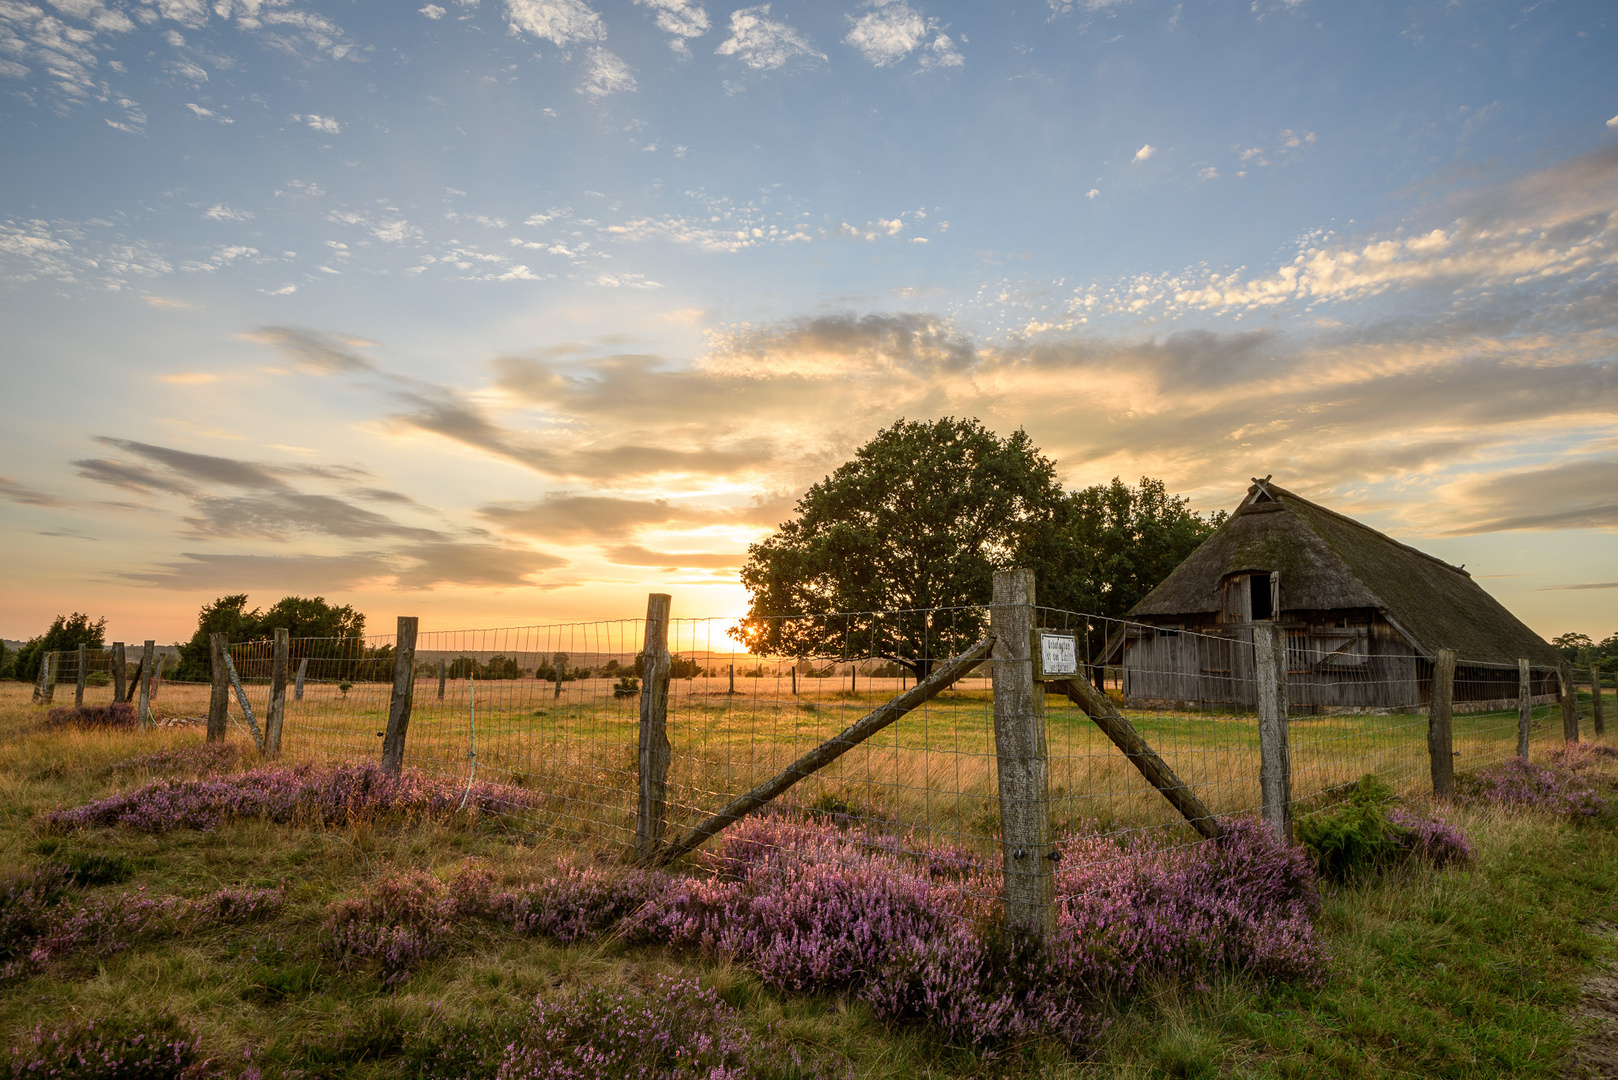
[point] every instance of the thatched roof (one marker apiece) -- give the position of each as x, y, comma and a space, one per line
1328, 562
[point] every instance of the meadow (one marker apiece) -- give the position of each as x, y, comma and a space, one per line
224, 937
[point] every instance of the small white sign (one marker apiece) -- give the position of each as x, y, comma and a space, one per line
1058, 655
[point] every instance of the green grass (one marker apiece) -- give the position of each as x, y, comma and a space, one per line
1470, 973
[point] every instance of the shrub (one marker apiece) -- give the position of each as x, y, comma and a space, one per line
126, 1048
1366, 836
119, 716
1558, 787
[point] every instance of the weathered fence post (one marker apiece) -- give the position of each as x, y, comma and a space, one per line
276, 716
157, 673
297, 684
1029, 882
404, 684
441, 672
1570, 710
134, 683
39, 679
733, 680
794, 680
119, 671
219, 690
561, 673
1596, 713
1525, 706
78, 682
1275, 759
50, 670
143, 717
1440, 711
654, 740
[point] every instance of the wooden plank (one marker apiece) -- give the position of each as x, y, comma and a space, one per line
1028, 880
78, 682
1099, 708
276, 716
1440, 714
1564, 696
1596, 712
144, 714
119, 672
1275, 759
942, 678
219, 688
654, 751
241, 699
404, 683
297, 684
1525, 706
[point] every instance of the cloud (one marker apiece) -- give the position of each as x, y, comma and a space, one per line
11, 489
765, 44
1577, 494
888, 33
130, 475
204, 467
569, 517
221, 212
1146, 152
1591, 585
432, 11
1613, 123
472, 565
561, 22
326, 124
682, 20
312, 353
607, 74
209, 572
274, 516
633, 555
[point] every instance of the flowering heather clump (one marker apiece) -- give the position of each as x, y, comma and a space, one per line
583, 904
1433, 841
119, 716
404, 919
26, 903
672, 1030
158, 1049
329, 795
1558, 788
193, 759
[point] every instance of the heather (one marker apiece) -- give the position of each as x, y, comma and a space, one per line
322, 795
1566, 784
818, 910
117, 1048
118, 716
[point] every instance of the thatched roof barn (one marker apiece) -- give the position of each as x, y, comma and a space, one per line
1364, 614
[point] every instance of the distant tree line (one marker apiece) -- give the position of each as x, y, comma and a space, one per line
1581, 651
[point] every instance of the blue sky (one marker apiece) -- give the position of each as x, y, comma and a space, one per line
512, 310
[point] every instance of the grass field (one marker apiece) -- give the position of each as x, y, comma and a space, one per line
934, 770
1469, 973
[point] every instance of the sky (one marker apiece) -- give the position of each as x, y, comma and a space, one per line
501, 312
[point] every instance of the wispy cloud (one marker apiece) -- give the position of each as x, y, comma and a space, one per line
888, 31
681, 20
561, 22
606, 74
763, 43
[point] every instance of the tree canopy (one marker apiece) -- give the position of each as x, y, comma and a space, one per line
66, 632
889, 555
301, 617
1581, 650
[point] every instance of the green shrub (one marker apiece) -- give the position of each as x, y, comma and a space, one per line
1354, 840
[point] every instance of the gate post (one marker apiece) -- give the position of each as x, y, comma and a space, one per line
1028, 875
1525, 706
1275, 758
219, 688
654, 750
1440, 711
404, 685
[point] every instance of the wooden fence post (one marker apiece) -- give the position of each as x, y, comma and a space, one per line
1275, 759
1029, 881
119, 671
561, 673
1440, 711
654, 750
1595, 700
733, 680
51, 670
157, 673
794, 680
441, 672
404, 684
297, 684
39, 680
276, 716
1525, 706
78, 682
1570, 709
143, 717
219, 690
